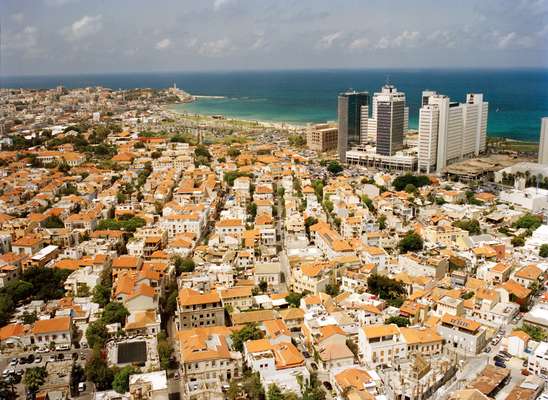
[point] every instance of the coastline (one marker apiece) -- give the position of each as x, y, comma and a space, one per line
261, 123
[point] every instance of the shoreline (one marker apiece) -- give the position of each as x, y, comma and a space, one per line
263, 123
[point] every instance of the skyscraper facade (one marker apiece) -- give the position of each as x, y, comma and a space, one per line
450, 131
389, 112
351, 107
543, 145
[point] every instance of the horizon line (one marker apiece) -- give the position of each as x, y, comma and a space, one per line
254, 70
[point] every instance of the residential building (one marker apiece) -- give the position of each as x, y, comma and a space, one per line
207, 361
381, 344
322, 137
196, 310
57, 330
543, 145
450, 131
462, 335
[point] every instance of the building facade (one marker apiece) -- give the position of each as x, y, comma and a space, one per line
351, 107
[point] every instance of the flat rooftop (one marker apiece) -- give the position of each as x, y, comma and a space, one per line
132, 352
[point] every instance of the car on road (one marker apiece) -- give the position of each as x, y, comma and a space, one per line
487, 349
500, 364
314, 366
505, 353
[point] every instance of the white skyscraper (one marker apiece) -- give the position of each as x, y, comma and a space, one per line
450, 131
543, 145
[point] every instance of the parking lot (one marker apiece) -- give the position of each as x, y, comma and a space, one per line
13, 366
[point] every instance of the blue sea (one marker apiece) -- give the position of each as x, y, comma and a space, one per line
518, 99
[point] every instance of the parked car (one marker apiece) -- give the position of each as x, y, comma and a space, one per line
38, 360
51, 358
505, 354
525, 372
14, 362
500, 364
525, 363
62, 347
82, 387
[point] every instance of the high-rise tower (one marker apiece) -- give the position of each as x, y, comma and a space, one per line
352, 106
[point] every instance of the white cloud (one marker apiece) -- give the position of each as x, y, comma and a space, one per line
327, 41
359, 44
215, 48
445, 39
260, 43
58, 3
218, 4
404, 39
25, 39
84, 27
513, 40
163, 44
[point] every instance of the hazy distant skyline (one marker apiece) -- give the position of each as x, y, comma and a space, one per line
87, 36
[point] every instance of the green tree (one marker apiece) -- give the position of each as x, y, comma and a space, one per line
274, 393
543, 251
115, 312
335, 167
120, 383
233, 152
385, 287
529, 222
535, 332
98, 372
252, 209
34, 378
382, 222
410, 242
400, 321
248, 332
77, 375
518, 241
165, 351
202, 151
410, 188
96, 334
101, 294
308, 222
470, 225
29, 318
52, 222
183, 264
332, 290
409, 179
294, 299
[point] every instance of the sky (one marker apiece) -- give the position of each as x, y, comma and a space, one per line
45, 37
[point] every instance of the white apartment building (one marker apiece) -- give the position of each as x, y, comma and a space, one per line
543, 145
381, 344
450, 131
538, 361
